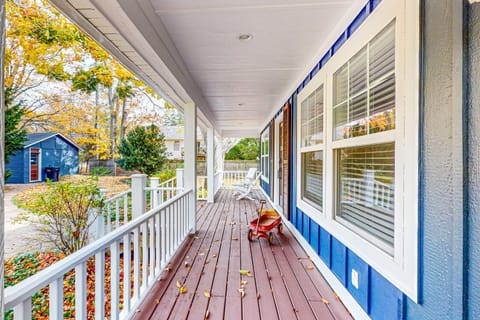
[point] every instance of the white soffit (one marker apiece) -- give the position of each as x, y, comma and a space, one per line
189, 49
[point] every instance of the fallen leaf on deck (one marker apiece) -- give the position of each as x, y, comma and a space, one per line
310, 267
243, 282
258, 295
242, 292
234, 238
157, 301
179, 284
325, 301
244, 272
196, 238
201, 254
207, 262
207, 314
214, 255
250, 275
206, 293
186, 264
182, 290
167, 269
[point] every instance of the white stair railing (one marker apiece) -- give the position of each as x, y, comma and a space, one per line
231, 177
151, 239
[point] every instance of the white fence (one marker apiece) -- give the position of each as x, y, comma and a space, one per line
143, 246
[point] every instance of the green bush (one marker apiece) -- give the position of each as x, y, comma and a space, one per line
62, 212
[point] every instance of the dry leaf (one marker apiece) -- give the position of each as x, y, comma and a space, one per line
207, 262
249, 275
179, 284
310, 267
206, 293
207, 314
258, 295
214, 255
234, 238
157, 301
325, 301
167, 269
244, 272
243, 282
242, 292
182, 290
196, 238
201, 254
186, 264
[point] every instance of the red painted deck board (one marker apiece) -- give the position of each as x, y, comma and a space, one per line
279, 285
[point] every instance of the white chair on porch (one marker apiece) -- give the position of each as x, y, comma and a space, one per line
244, 188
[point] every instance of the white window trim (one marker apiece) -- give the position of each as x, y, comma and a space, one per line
265, 171
402, 268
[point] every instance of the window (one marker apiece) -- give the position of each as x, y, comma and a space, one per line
176, 146
357, 138
312, 110
264, 154
364, 105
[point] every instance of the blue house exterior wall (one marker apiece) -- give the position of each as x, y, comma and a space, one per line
55, 152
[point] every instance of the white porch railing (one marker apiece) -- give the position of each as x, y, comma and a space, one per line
151, 240
231, 177
368, 192
158, 194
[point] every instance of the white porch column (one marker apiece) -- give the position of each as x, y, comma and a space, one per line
2, 144
190, 160
139, 205
210, 165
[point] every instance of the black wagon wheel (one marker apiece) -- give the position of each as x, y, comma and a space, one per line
270, 237
280, 228
250, 235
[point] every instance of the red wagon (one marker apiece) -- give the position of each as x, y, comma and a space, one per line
267, 220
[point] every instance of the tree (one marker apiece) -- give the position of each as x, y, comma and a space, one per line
14, 137
143, 149
245, 149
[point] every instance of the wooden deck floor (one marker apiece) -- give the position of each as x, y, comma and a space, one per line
282, 282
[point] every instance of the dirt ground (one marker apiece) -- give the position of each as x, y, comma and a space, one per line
19, 238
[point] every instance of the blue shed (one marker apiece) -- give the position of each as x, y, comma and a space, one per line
42, 150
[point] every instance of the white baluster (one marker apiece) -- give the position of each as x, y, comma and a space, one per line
56, 299
80, 291
114, 281
100, 285
127, 257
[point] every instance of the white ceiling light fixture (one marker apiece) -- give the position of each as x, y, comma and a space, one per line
244, 37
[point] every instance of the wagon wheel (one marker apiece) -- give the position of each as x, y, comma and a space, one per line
280, 228
250, 235
270, 238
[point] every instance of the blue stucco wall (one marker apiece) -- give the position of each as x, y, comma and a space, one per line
56, 152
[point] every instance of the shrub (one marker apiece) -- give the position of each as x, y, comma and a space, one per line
62, 213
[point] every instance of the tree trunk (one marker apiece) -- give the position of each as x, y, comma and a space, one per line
2, 143
123, 120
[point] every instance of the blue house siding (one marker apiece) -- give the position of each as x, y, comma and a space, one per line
15, 166
55, 152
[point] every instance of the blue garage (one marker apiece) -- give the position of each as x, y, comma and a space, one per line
41, 151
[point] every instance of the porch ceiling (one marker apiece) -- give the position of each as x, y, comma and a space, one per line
189, 49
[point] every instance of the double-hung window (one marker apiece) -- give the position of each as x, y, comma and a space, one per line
264, 155
311, 148
357, 138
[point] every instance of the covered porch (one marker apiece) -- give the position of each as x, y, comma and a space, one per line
281, 281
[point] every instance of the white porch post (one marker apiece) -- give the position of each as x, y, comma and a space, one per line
2, 144
139, 206
190, 160
219, 158
210, 165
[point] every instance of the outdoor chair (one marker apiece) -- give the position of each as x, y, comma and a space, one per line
244, 188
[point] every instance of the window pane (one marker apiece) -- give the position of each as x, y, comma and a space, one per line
312, 177
340, 122
358, 72
382, 53
312, 119
340, 81
357, 115
365, 196
382, 106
